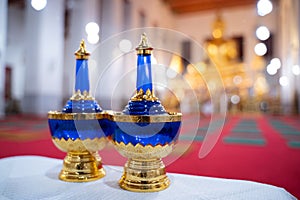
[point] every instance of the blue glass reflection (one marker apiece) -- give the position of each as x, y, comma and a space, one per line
144, 108
75, 129
82, 106
82, 75
151, 134
144, 77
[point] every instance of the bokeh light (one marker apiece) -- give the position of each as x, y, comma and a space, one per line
264, 7
296, 70
260, 49
92, 28
93, 38
271, 70
276, 63
284, 81
235, 99
125, 45
38, 4
262, 33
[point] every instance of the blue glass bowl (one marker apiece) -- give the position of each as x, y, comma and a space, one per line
138, 133
153, 134
83, 127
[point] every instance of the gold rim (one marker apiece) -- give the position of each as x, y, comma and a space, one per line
169, 117
117, 117
76, 116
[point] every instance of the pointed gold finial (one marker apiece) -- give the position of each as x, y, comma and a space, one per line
218, 27
144, 46
82, 53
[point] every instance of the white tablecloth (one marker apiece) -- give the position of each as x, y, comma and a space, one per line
34, 177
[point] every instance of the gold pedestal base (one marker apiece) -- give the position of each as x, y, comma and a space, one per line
82, 167
144, 176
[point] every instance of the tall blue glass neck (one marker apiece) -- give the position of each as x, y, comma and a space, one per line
82, 82
144, 77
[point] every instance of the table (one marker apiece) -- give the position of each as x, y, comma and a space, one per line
36, 177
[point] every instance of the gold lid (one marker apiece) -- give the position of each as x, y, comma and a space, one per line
144, 47
141, 96
82, 53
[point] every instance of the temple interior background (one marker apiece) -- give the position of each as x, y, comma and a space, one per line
255, 55
211, 58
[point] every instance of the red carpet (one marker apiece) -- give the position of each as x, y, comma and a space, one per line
258, 148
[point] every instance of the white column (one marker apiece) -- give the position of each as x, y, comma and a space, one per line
44, 52
80, 13
111, 18
297, 52
3, 32
111, 24
289, 37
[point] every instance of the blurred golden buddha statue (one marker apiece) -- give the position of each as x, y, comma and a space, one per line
238, 81
221, 51
223, 59
223, 54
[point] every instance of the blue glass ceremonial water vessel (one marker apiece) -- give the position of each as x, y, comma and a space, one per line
144, 132
77, 128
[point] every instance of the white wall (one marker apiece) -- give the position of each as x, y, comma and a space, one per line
289, 50
3, 33
15, 56
43, 51
157, 13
